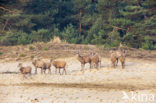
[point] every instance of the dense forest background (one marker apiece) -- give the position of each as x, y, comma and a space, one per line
100, 22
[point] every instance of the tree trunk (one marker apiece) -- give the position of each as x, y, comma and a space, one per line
6, 22
80, 25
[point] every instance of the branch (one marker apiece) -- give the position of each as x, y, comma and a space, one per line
6, 22
5, 9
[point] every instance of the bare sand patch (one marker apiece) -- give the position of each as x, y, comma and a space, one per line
93, 86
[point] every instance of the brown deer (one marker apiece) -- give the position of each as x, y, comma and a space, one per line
59, 65
118, 55
83, 60
122, 58
24, 70
95, 60
47, 65
39, 64
114, 59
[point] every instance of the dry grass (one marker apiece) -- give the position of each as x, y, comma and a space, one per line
56, 40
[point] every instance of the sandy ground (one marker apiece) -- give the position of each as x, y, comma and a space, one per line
106, 85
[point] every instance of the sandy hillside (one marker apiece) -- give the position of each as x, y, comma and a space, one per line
105, 85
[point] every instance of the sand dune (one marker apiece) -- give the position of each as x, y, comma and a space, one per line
93, 86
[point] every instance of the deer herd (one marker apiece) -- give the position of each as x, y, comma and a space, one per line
93, 59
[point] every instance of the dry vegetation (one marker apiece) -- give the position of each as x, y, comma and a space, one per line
104, 85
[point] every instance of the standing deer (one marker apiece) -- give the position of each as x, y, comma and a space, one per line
39, 64
95, 60
47, 65
59, 65
122, 59
83, 60
118, 55
114, 59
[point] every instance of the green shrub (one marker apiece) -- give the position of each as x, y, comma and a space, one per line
99, 45
31, 48
46, 48
22, 55
154, 47
70, 34
106, 46
23, 38
9, 38
86, 47
148, 44
1, 53
40, 35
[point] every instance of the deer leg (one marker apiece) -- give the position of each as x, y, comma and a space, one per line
23, 76
123, 65
65, 71
97, 65
42, 70
49, 71
35, 70
30, 75
55, 70
113, 63
100, 64
59, 71
82, 67
90, 65
117, 61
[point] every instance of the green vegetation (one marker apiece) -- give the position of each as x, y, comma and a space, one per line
1, 53
31, 48
86, 47
46, 48
99, 22
22, 55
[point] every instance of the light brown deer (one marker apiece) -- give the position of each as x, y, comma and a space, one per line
39, 64
118, 55
114, 58
83, 60
122, 59
59, 65
95, 60
24, 70
47, 65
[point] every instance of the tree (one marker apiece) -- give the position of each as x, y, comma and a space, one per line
101, 22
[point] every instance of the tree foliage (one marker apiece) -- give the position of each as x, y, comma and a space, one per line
100, 22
